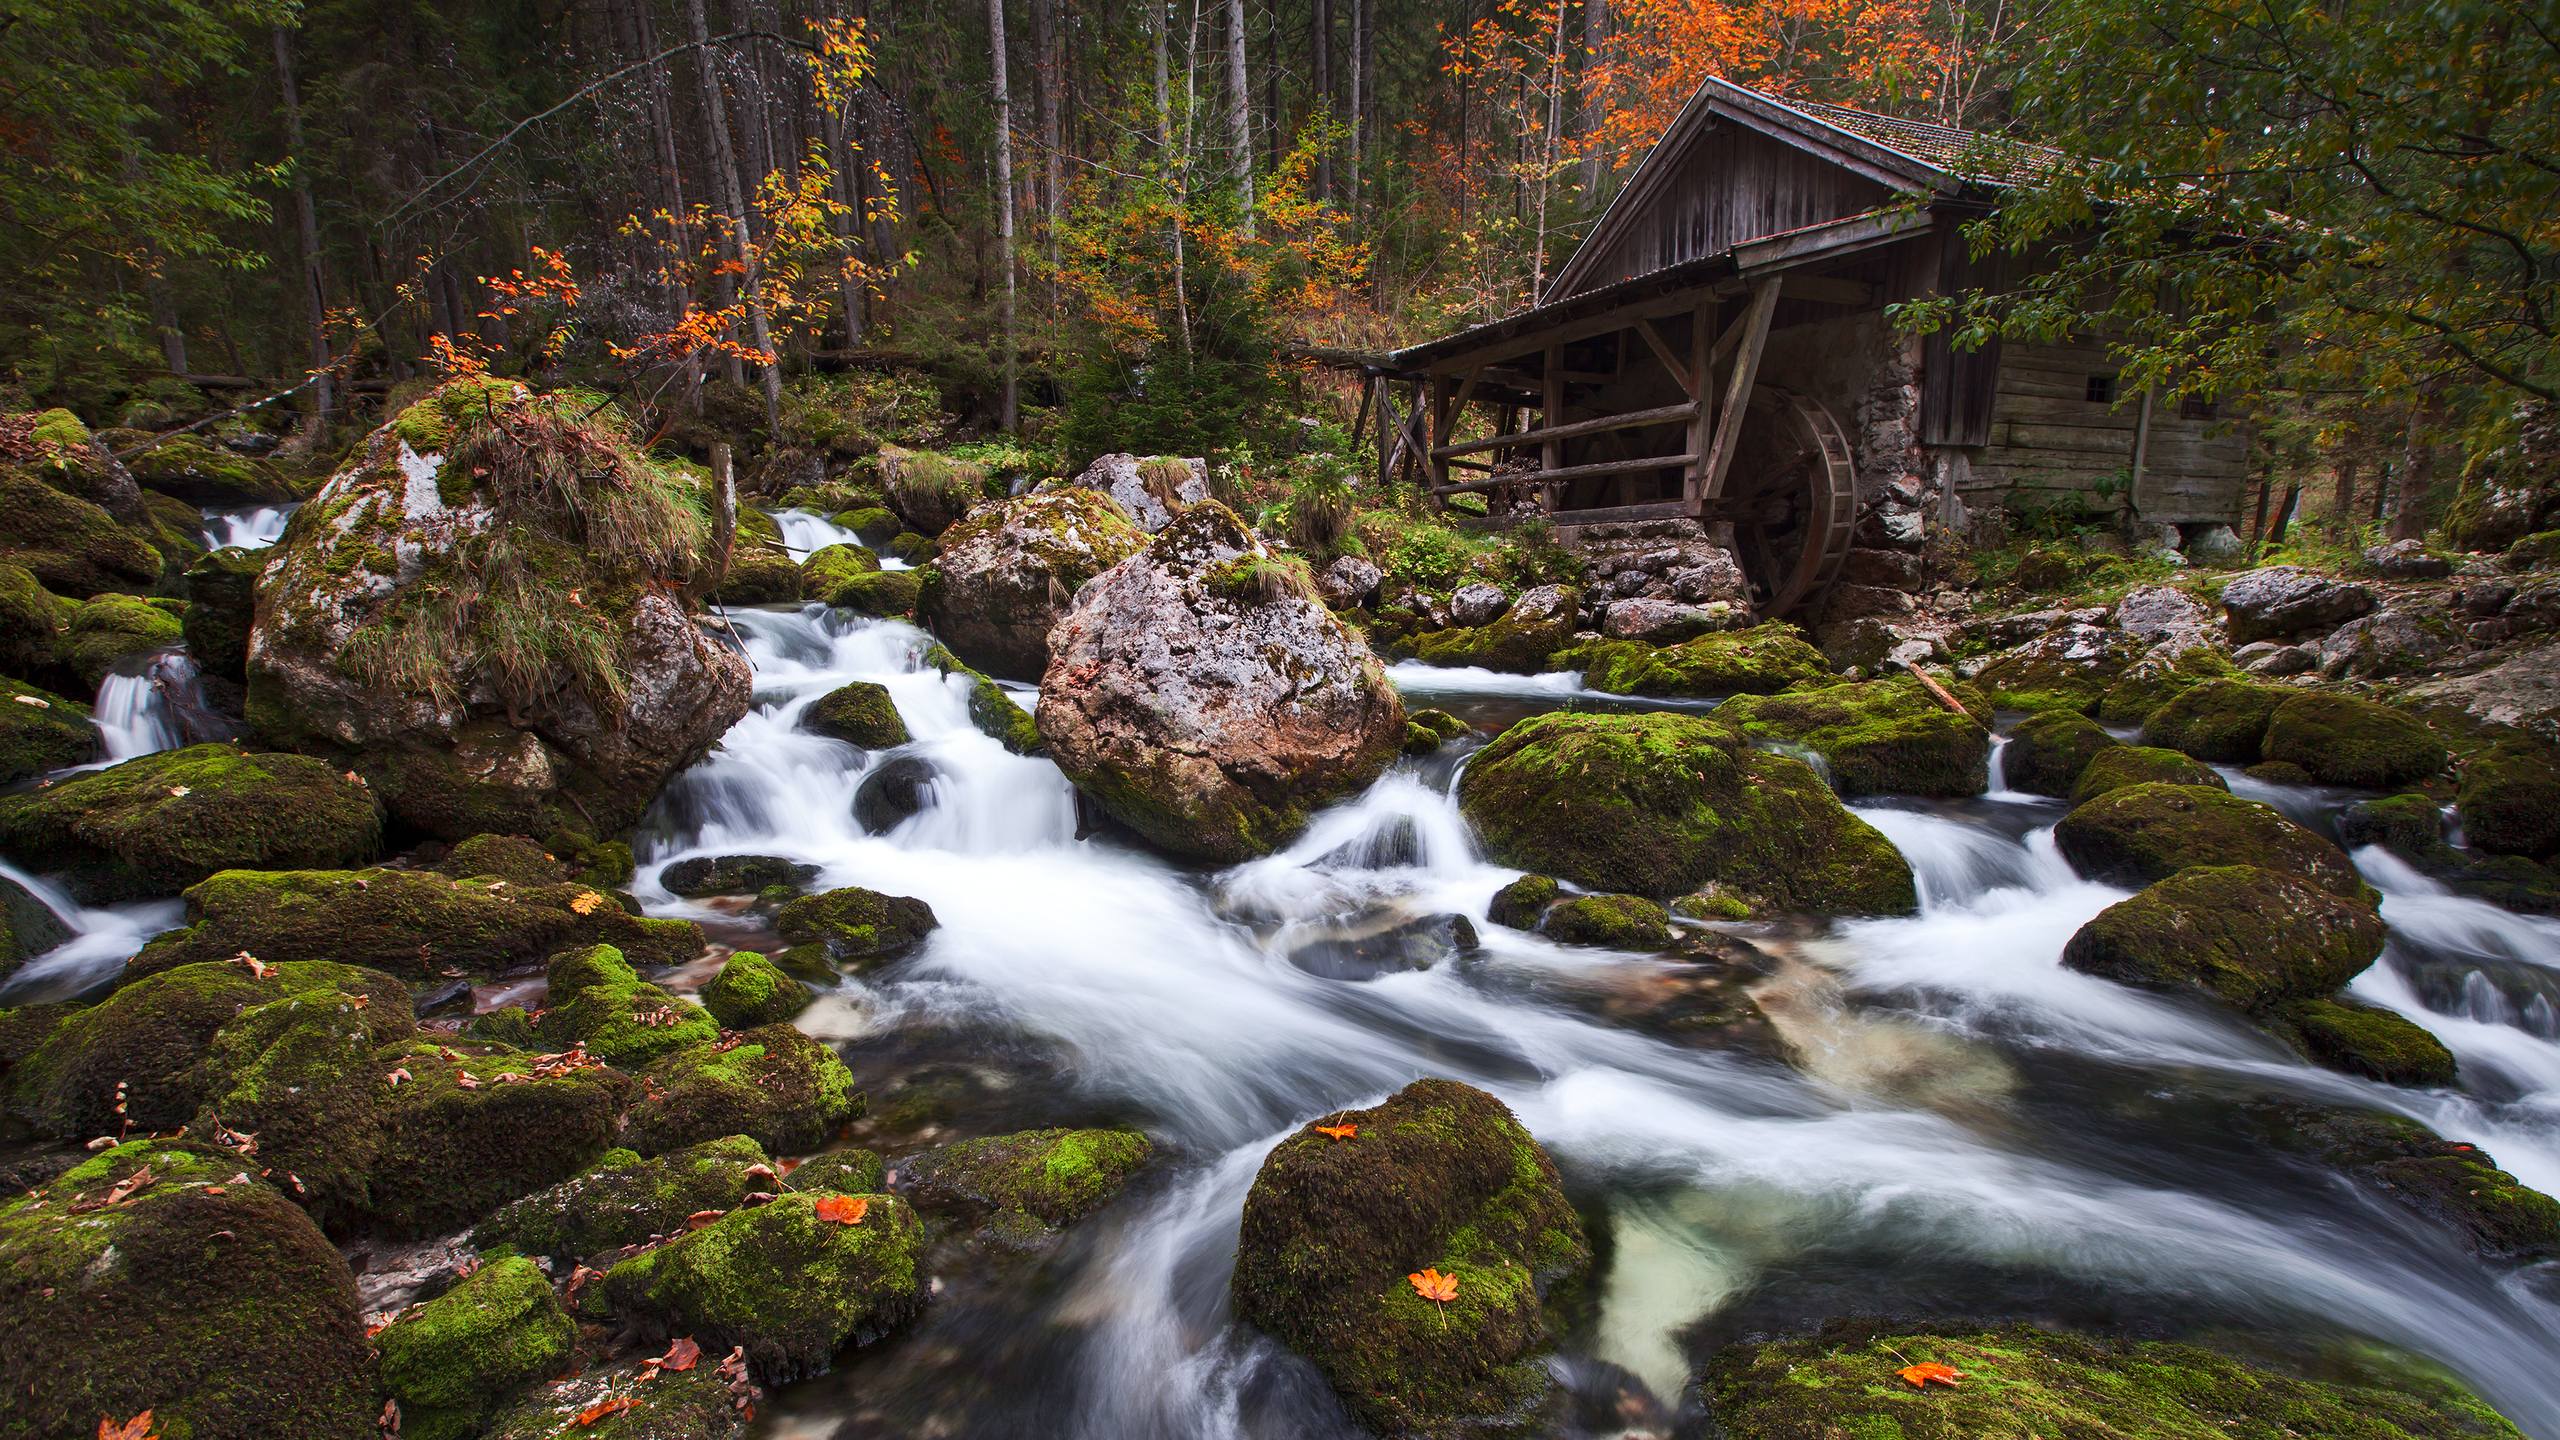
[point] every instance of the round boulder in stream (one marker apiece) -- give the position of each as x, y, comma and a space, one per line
2148, 832
1440, 1178
1006, 574
163, 822
893, 793
2048, 751
1204, 695
859, 714
1880, 737
2251, 937
1662, 804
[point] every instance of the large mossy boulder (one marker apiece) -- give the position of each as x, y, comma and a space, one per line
890, 593
1758, 661
1027, 1180
751, 991
597, 1000
110, 628
151, 1277
41, 731
190, 468
470, 1127
832, 573
1201, 692
222, 603
701, 875
160, 823
486, 613
2224, 721
2364, 1040
2252, 938
2068, 668
1662, 804
1527, 637
1842, 1385
30, 617
791, 1281
414, 923
1439, 1177
2342, 740
1619, 922
860, 714
1006, 574
774, 1085
1880, 737
2160, 676
626, 1200
857, 928
2509, 799
298, 1072
2146, 833
453, 1361
2452, 1183
69, 544
2119, 766
2047, 752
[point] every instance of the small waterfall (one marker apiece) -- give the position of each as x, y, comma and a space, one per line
2484, 1002
134, 716
246, 527
101, 941
805, 532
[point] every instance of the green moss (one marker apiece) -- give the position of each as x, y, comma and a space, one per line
71, 546
842, 1172
1513, 641
452, 1362
1759, 661
737, 875
1523, 902
29, 617
2155, 680
1881, 737
408, 922
1427, 730
599, 1001
2219, 720
2039, 681
1055, 1177
221, 601
1439, 1176
2145, 833
695, 1404
2115, 767
759, 574
452, 1152
2509, 799
2451, 1183
775, 1084
162, 822
2047, 752
887, 592
857, 928
2365, 1040
750, 991
1841, 1385
2346, 741
201, 473
299, 1074
212, 1302
41, 731
871, 522
1620, 922
913, 548
1660, 804
1712, 903
860, 714
512, 858
626, 1200
2250, 937
111, 627
829, 570
791, 1286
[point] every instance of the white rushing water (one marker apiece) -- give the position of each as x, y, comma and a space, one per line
805, 532
134, 713
102, 939
246, 527
1906, 1127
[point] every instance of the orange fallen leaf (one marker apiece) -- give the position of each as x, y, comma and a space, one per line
602, 1409
1435, 1287
843, 1209
585, 902
1929, 1372
681, 1356
700, 1218
137, 1428
1337, 1132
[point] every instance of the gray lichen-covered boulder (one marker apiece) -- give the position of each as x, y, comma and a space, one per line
162, 822
1150, 491
1006, 574
2145, 833
485, 612
1524, 637
1204, 695
2253, 938
2281, 601
1661, 804
1441, 1177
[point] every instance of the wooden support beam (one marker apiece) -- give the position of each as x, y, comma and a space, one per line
1662, 352
1824, 290
1702, 389
1551, 450
1569, 472
1754, 326
1660, 415
1617, 514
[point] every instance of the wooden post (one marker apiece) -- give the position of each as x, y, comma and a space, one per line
2258, 530
2142, 457
1551, 414
1737, 394
1702, 390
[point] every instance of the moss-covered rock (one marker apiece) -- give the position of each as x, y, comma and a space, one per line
1521, 903
2412, 828
221, 604
759, 572
2455, 1184
1759, 661
41, 731
829, 571
751, 991
2068, 669
1842, 1385
2224, 721
635, 1401
859, 714
108, 628
889, 593
1882, 737
2509, 799
2346, 741
210, 1301
735, 875
2118, 766
30, 616
516, 859
599, 1001
1620, 922
1439, 1177
842, 1172
1428, 730
2047, 752
2364, 1040
2159, 677
774, 1085
2253, 938
28, 928
160, 823
200, 473
453, 1361
1004, 575
475, 1126
298, 1072
69, 544
1529, 636
1661, 804
856, 927
786, 1281
2146, 833
626, 1200
1052, 1177
409, 922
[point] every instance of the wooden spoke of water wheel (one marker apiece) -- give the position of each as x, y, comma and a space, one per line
1791, 499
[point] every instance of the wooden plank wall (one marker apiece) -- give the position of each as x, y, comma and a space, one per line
2048, 440
1733, 185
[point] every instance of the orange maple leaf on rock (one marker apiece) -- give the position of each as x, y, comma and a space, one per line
1337, 1132
843, 1209
1929, 1372
137, 1428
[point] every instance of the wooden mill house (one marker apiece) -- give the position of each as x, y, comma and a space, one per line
1718, 350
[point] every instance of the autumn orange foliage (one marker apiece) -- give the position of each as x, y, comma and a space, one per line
843, 1209
1930, 1372
1337, 1132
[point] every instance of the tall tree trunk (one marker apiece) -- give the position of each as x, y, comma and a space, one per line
2417, 476
1356, 103
1547, 159
1053, 152
1320, 75
676, 285
1595, 34
724, 176
1240, 112
2342, 509
306, 225
1004, 210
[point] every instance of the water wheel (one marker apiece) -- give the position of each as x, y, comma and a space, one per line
1791, 498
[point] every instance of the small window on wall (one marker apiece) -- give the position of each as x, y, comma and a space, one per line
2102, 389
2197, 407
